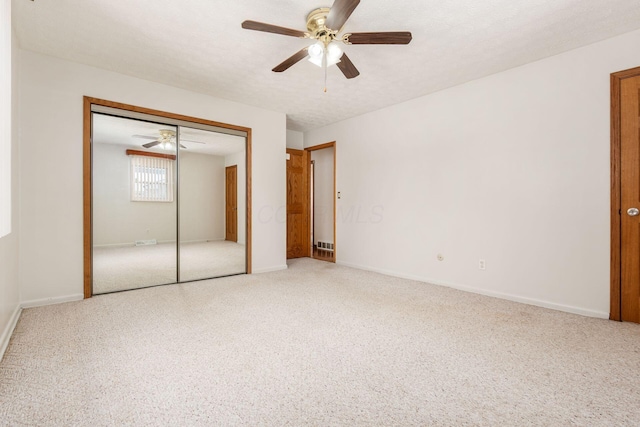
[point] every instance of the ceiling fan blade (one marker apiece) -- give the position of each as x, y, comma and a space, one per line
268, 28
183, 147
144, 136
346, 66
340, 12
151, 144
395, 37
191, 140
295, 58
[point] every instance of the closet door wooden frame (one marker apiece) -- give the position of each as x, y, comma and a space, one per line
86, 174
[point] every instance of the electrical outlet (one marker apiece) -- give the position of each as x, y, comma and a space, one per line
440, 257
482, 265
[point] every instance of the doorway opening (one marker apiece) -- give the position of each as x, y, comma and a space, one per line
322, 200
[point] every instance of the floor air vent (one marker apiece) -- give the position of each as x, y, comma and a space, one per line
324, 245
146, 242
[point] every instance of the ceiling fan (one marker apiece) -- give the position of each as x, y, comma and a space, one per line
167, 140
323, 25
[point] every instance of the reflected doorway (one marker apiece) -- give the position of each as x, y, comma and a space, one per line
231, 205
158, 210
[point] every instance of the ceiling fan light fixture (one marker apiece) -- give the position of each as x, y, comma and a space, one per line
318, 51
316, 61
334, 53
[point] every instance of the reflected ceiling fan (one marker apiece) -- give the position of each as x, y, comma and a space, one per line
323, 25
167, 140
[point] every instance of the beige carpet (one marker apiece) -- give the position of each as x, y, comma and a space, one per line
318, 344
133, 267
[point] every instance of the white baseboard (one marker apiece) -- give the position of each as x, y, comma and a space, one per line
269, 269
116, 245
132, 244
215, 239
490, 293
8, 330
51, 301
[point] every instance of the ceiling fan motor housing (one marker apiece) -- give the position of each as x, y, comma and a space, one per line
316, 25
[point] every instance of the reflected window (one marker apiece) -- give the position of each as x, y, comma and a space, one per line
151, 179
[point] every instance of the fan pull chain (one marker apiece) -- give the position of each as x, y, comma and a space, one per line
324, 64
325, 79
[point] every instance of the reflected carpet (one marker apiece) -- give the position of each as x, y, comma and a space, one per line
133, 267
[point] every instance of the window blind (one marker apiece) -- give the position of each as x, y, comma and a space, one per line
151, 179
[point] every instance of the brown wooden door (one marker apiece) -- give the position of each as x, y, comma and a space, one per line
298, 204
630, 199
231, 196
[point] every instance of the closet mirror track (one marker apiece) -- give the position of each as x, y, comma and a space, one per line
168, 200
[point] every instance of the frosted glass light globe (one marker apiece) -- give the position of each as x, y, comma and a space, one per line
316, 50
334, 53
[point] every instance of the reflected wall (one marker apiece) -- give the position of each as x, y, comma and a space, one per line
159, 214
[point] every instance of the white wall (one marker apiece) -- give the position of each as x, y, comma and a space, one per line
323, 197
239, 160
6, 39
51, 165
9, 244
512, 168
295, 139
119, 221
116, 219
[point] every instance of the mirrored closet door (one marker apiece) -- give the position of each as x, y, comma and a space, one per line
168, 203
212, 198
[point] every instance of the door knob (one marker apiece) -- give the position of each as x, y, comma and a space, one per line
633, 211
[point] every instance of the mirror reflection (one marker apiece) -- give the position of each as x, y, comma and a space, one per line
161, 216
134, 207
212, 204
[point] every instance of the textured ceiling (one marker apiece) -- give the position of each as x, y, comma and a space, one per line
199, 45
121, 131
